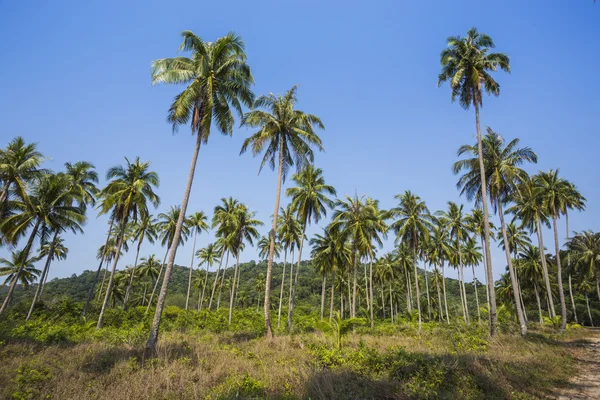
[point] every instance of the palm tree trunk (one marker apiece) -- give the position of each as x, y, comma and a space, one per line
539, 304
144, 295
391, 303
162, 266
439, 295
221, 283
273, 233
427, 291
511, 271
382, 299
587, 300
355, 263
366, 289
323, 285
43, 276
111, 278
293, 296
486, 228
92, 289
487, 292
187, 299
417, 287
341, 301
281, 290
550, 300
461, 284
444, 290
212, 294
4, 194
409, 296
371, 287
129, 286
521, 293
332, 293
561, 293
26, 252
572, 300
235, 273
203, 288
476, 294
108, 261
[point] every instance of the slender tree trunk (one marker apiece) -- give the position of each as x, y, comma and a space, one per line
486, 229
598, 287
476, 294
160, 304
349, 304
281, 290
323, 285
291, 282
355, 262
444, 290
391, 303
382, 299
551, 308
4, 194
487, 292
572, 299
561, 293
332, 293
111, 278
409, 296
108, 260
427, 291
293, 297
521, 292
130, 285
235, 273
203, 288
463, 293
221, 284
43, 276
162, 266
511, 271
273, 233
341, 300
366, 289
187, 299
212, 294
439, 295
144, 295
539, 304
371, 288
587, 301
417, 288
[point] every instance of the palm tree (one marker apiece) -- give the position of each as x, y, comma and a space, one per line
471, 256
19, 269
456, 223
310, 202
554, 192
264, 246
466, 63
518, 240
503, 175
585, 248
438, 254
323, 253
412, 227
49, 207
208, 256
217, 78
127, 194
475, 223
197, 223
286, 136
147, 271
145, 228
532, 272
166, 226
19, 165
289, 232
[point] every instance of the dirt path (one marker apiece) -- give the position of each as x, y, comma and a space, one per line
586, 385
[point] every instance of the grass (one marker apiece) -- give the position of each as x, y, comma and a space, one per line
392, 362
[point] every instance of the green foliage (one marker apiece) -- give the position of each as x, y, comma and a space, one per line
339, 327
29, 381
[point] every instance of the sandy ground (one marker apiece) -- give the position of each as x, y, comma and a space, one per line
586, 384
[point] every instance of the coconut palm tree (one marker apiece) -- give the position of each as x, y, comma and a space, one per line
554, 192
286, 135
217, 79
197, 223
585, 250
471, 256
128, 193
475, 223
147, 272
49, 207
503, 175
518, 240
264, 246
412, 227
288, 231
207, 255
466, 64
143, 229
532, 272
19, 269
323, 253
439, 248
310, 202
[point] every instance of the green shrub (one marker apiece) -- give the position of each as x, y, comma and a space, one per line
29, 382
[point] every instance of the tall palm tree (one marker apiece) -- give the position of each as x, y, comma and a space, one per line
475, 222
143, 229
466, 64
288, 231
310, 202
518, 240
471, 256
128, 193
197, 223
207, 255
323, 253
554, 192
217, 79
412, 227
286, 135
503, 175
264, 246
532, 272
147, 271
49, 207
438, 254
585, 249
19, 269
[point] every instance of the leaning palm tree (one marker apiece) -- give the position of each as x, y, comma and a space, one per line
466, 64
48, 207
288, 231
286, 136
412, 227
208, 256
217, 78
310, 202
503, 175
197, 223
144, 229
19, 269
554, 192
127, 194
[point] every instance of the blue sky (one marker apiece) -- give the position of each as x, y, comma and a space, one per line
76, 79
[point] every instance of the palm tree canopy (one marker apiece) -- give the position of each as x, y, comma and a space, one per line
167, 224
208, 254
289, 229
413, 220
360, 221
83, 179
28, 273
198, 222
310, 195
19, 164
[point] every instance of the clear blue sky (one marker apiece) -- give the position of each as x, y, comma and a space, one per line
76, 79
